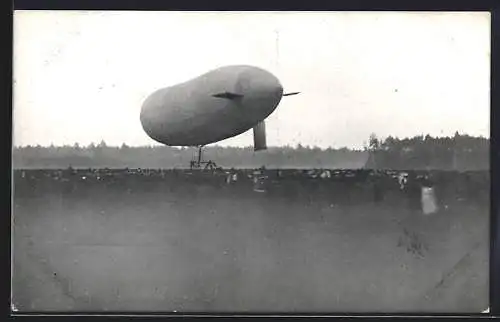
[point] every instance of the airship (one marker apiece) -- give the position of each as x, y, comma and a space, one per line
220, 104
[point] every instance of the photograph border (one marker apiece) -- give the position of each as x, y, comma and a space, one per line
491, 6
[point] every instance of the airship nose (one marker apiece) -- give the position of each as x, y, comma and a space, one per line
276, 90
270, 87
260, 83
264, 97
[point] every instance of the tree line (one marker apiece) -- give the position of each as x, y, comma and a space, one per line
460, 152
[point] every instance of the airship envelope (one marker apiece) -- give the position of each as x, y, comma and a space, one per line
220, 104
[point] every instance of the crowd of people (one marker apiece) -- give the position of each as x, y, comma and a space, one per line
413, 185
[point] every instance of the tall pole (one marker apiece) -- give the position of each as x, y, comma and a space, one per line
277, 49
277, 61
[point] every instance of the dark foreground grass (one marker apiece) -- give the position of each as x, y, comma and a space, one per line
165, 241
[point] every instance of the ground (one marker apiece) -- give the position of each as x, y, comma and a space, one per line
176, 241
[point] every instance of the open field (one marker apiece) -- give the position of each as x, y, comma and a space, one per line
117, 240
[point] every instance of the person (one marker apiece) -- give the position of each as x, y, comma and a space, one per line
402, 180
428, 198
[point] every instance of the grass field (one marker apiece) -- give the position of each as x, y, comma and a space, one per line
116, 240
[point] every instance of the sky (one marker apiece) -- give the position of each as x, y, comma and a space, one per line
82, 76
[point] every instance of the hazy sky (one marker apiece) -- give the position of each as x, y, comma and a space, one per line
82, 76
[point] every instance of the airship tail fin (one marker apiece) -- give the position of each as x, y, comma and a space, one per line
228, 95
259, 137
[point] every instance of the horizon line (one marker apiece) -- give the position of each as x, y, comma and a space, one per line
187, 147
211, 145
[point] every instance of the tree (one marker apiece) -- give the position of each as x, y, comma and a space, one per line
102, 144
373, 142
389, 143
